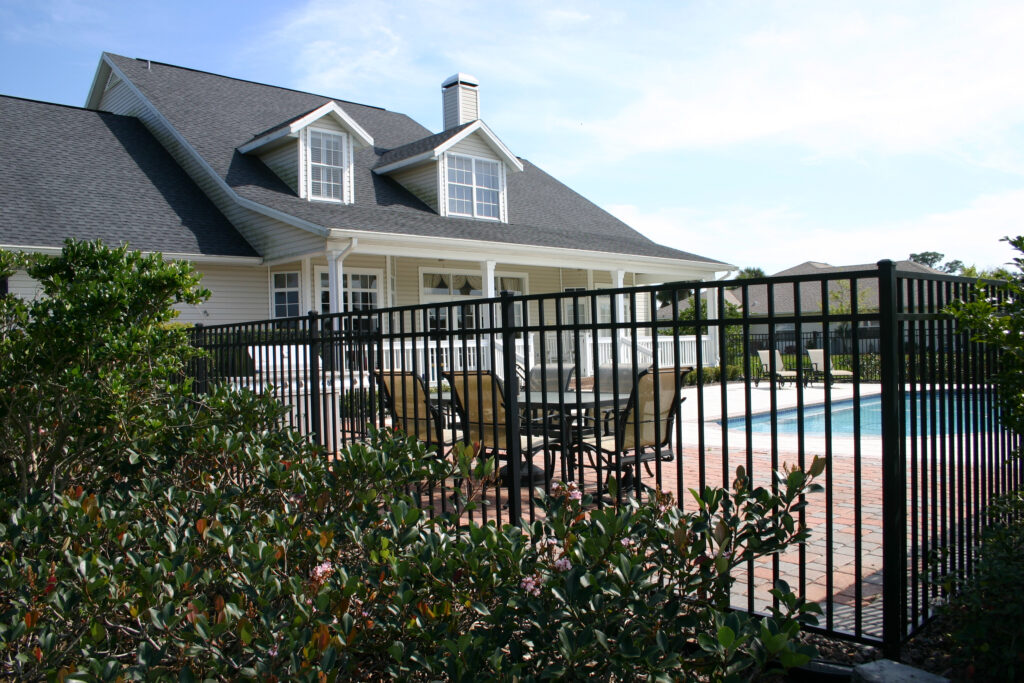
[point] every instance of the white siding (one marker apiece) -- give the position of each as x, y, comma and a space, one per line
421, 181
284, 161
237, 294
22, 286
270, 237
461, 105
474, 146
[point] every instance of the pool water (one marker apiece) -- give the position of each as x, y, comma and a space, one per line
870, 417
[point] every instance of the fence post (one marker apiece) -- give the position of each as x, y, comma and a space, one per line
313, 346
894, 469
511, 397
199, 361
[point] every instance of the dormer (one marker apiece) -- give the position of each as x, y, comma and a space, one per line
460, 172
313, 153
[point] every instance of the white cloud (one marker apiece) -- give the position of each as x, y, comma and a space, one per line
837, 81
775, 238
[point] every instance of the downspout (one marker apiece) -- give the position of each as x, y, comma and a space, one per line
334, 258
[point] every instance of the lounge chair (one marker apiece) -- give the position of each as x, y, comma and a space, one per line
781, 374
407, 398
479, 404
640, 433
818, 366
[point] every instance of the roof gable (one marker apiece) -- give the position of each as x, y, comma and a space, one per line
214, 114
291, 129
432, 147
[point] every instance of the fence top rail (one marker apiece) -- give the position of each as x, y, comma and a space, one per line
280, 325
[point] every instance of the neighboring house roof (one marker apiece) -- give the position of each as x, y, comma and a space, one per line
68, 172
216, 115
810, 291
665, 312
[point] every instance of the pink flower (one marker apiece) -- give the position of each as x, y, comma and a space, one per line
273, 650
563, 564
530, 585
628, 542
322, 571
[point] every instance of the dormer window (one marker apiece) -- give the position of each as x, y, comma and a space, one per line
474, 187
327, 165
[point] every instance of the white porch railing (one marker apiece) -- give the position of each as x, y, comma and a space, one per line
428, 357
686, 352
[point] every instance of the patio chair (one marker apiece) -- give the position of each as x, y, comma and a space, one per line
642, 431
549, 378
829, 375
781, 374
479, 404
407, 398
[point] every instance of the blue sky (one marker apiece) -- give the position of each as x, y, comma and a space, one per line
759, 133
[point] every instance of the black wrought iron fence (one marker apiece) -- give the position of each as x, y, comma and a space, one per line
861, 368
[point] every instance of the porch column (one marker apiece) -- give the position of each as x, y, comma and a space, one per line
335, 270
711, 296
487, 275
618, 282
305, 290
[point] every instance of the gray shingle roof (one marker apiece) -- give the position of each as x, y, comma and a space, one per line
420, 146
810, 292
217, 114
68, 172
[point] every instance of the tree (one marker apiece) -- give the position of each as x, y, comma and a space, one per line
748, 273
932, 259
80, 363
995, 316
687, 318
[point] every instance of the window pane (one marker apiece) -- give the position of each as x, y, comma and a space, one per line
326, 165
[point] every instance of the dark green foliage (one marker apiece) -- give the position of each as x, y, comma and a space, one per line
986, 616
182, 537
79, 362
996, 317
274, 562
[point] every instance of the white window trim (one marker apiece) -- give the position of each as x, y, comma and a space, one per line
273, 290
425, 298
443, 188
379, 272
306, 164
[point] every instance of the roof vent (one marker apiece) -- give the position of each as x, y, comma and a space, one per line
461, 100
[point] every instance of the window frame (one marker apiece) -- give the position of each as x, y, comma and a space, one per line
274, 289
475, 187
453, 297
346, 165
346, 293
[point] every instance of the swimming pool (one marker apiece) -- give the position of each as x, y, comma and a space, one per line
871, 416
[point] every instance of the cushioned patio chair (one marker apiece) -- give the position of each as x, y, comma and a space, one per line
480, 411
781, 374
830, 374
407, 399
641, 432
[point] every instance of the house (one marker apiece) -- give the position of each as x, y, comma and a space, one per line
842, 297
288, 201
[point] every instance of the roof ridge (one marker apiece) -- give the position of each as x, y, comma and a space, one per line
246, 80
65, 106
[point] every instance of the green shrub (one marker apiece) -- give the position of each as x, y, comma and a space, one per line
292, 567
986, 614
79, 362
183, 536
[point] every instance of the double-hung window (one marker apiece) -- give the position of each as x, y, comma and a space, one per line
326, 165
474, 187
286, 295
